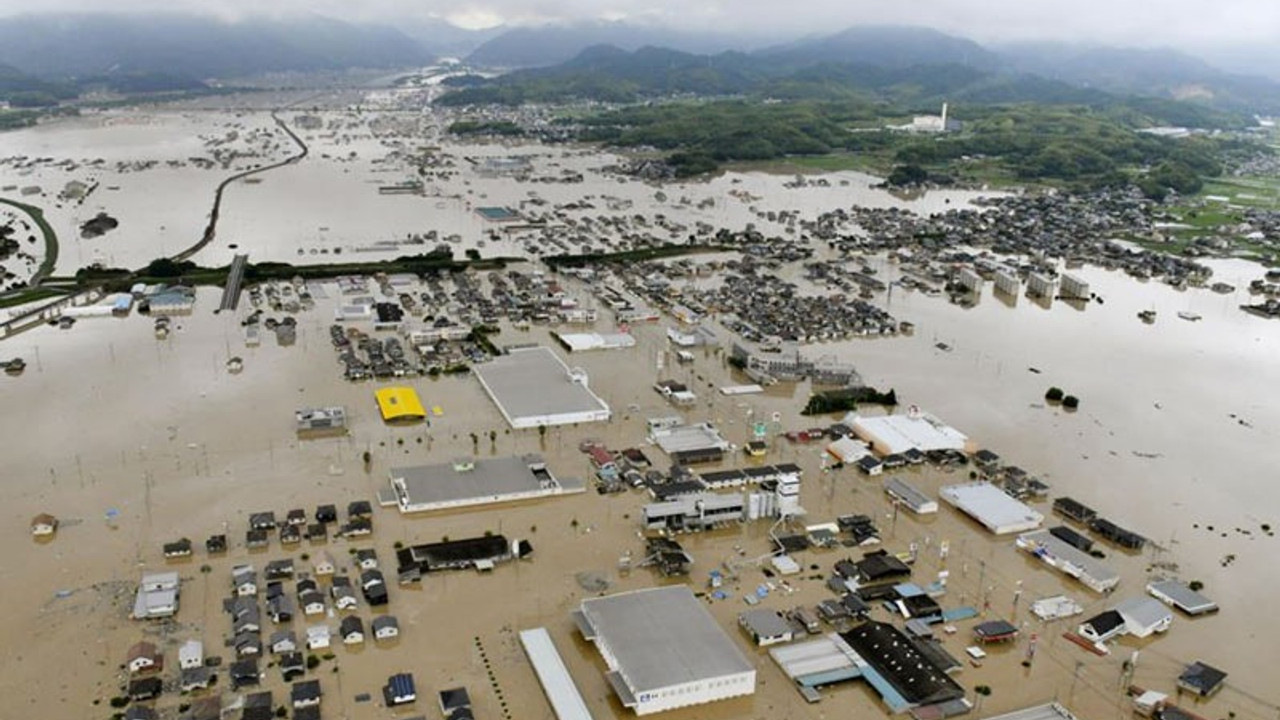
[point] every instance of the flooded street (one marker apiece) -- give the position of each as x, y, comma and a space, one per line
1175, 437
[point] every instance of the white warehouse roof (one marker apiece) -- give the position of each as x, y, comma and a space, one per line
890, 434
990, 506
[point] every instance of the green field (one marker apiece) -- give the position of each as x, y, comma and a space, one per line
1259, 192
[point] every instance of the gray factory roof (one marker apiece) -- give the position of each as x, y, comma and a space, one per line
1181, 596
488, 479
532, 386
660, 637
684, 438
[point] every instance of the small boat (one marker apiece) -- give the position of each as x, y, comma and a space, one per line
1147, 316
1188, 315
235, 365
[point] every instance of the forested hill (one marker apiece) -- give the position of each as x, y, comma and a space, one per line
608, 74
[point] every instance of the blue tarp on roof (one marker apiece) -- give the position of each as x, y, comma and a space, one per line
964, 612
891, 696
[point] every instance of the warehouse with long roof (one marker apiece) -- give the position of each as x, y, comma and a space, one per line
663, 649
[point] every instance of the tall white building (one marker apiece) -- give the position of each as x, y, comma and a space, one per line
664, 650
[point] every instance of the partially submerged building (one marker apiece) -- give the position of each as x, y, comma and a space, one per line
690, 444
1180, 595
991, 507
475, 481
532, 387
157, 596
896, 434
1067, 559
481, 553
663, 649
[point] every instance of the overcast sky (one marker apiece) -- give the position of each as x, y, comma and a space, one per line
1178, 23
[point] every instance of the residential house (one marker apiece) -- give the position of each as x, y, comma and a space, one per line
143, 657
1144, 616
258, 706
283, 641
305, 694
326, 513
367, 558
318, 532
766, 626
157, 596
324, 564
453, 700
385, 627
352, 630
248, 620
44, 525
292, 665
290, 535
262, 521
216, 544
399, 690
359, 509
256, 539
1102, 627
311, 602
191, 654
317, 637
357, 527
147, 688
244, 580
1202, 679
278, 570
244, 673
247, 644
280, 608
344, 596
296, 516
196, 678
307, 713
374, 587
177, 549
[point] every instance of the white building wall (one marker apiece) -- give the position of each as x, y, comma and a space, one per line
696, 693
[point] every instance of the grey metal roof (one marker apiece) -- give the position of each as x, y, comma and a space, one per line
765, 622
661, 637
535, 383
990, 506
1181, 596
488, 478
1142, 610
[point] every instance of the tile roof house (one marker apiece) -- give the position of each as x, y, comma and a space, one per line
305, 693
143, 657
385, 627
352, 630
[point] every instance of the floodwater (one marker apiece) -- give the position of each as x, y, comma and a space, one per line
1175, 435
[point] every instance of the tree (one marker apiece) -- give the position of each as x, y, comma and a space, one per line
907, 175
1054, 395
1071, 402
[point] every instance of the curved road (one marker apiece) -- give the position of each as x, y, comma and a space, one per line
211, 230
